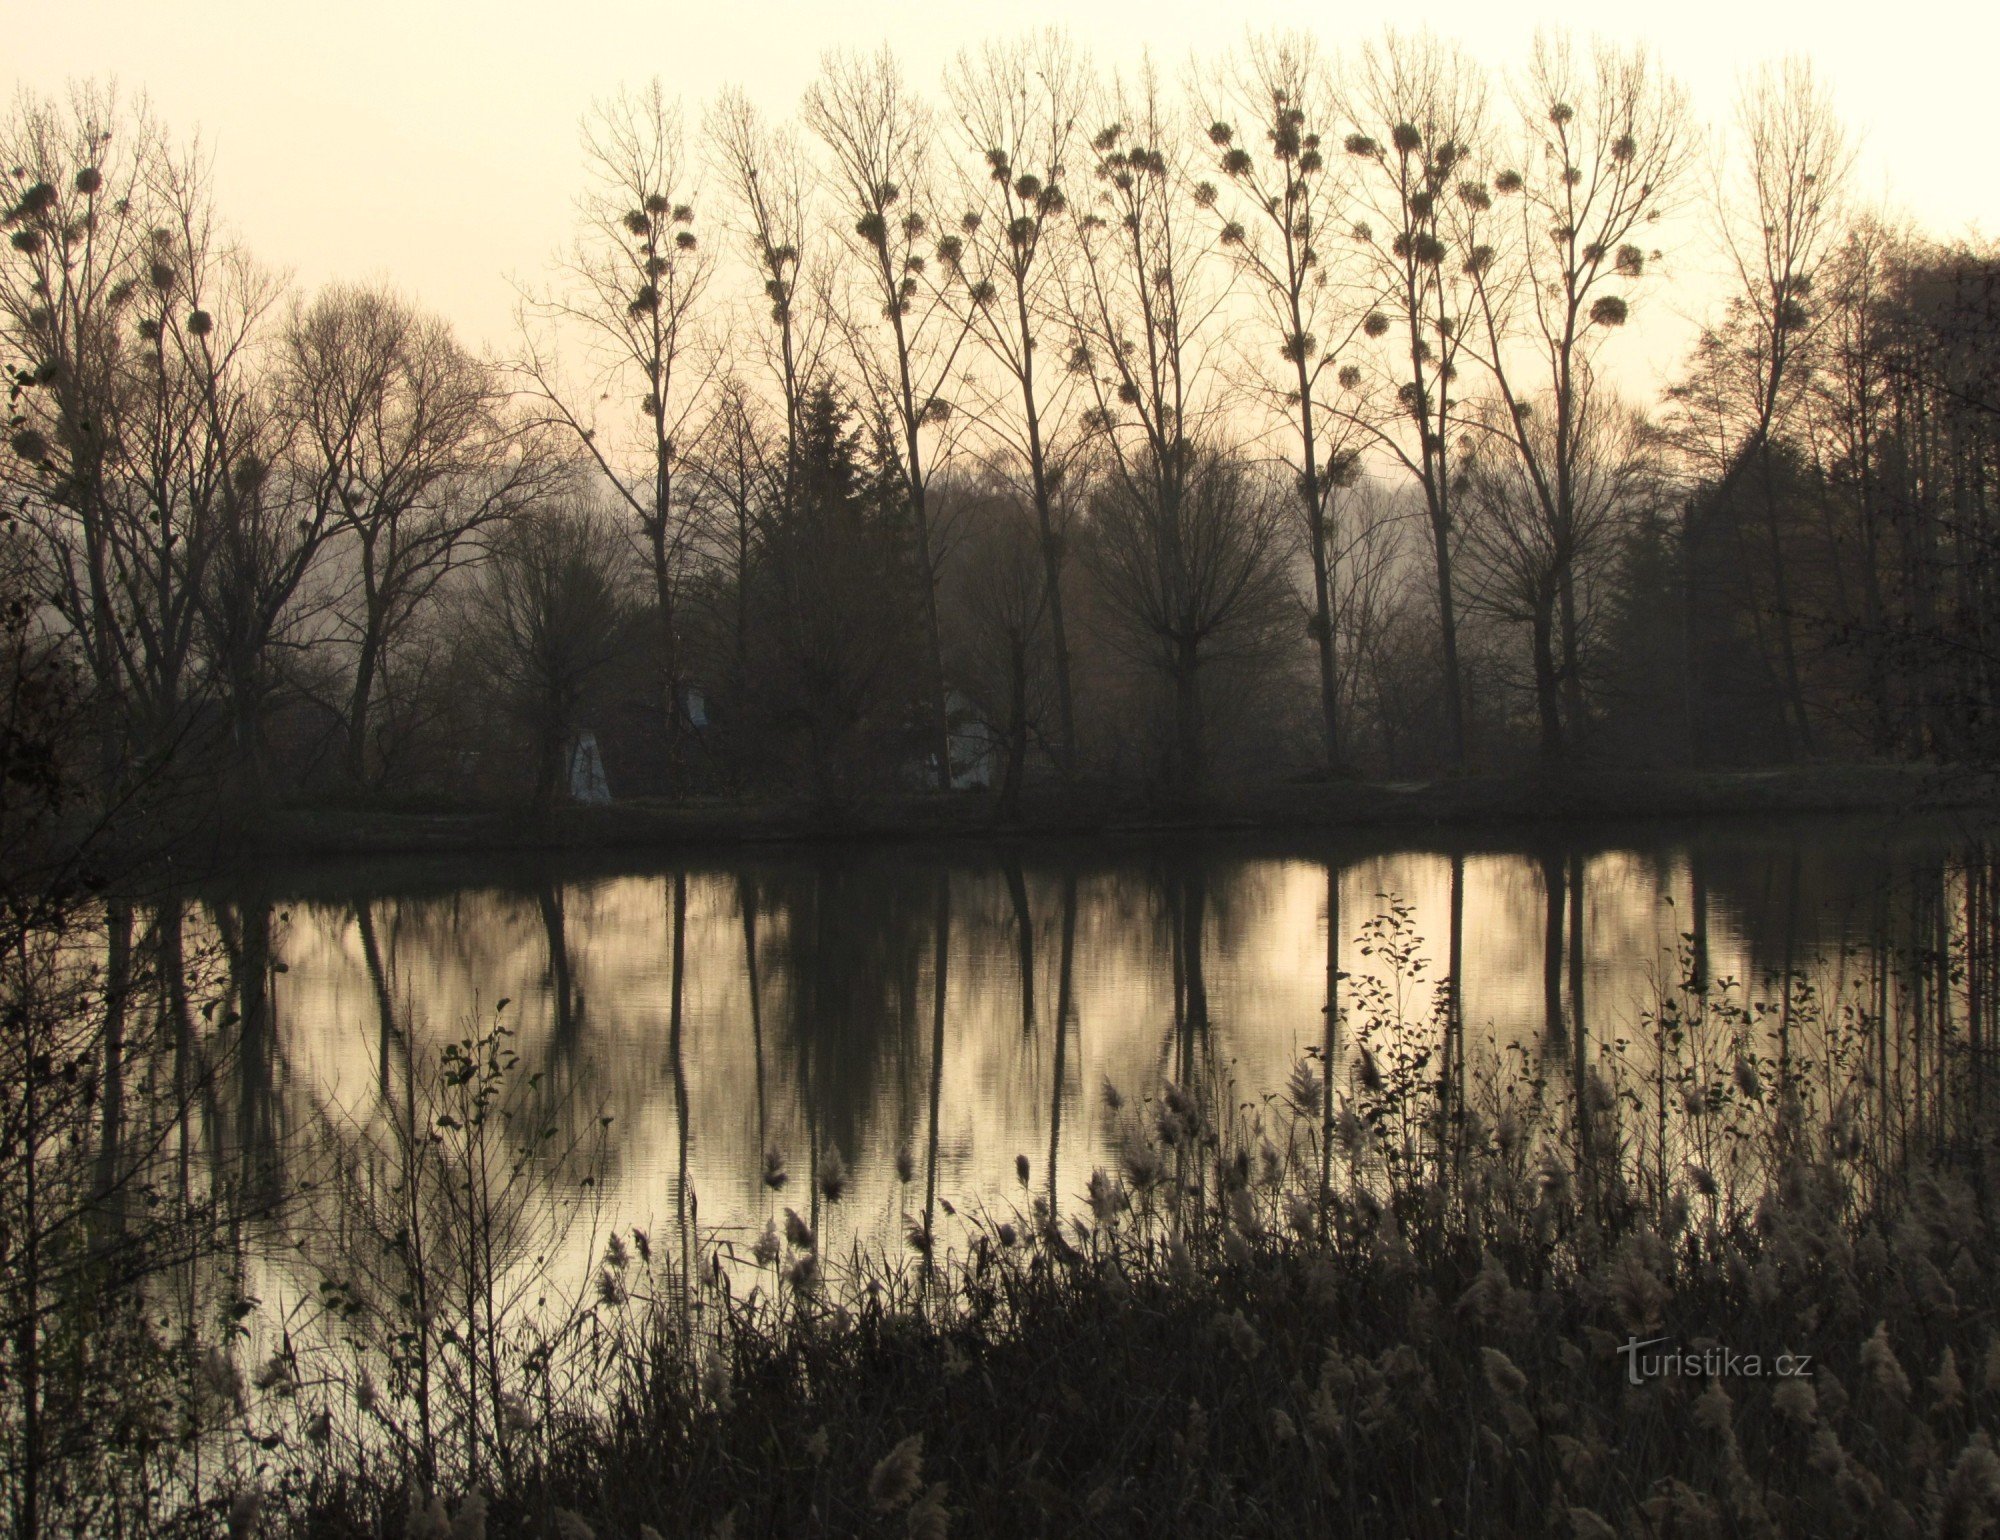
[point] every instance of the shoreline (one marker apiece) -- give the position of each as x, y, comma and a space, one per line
1468, 803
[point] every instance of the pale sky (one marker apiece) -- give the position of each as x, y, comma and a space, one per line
433, 143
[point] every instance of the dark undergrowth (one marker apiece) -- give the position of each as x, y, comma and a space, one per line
1376, 1382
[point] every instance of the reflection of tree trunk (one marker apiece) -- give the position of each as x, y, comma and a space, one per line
1329, 1044
1578, 1021
252, 965
1176, 953
180, 1030
746, 904
567, 1004
1698, 919
1917, 975
1194, 905
1552, 945
1453, 1082
1576, 944
1941, 987
1791, 937
117, 995
1916, 986
683, 1199
819, 994
1024, 932
1879, 934
938, 975
385, 1003
1976, 919
1064, 1005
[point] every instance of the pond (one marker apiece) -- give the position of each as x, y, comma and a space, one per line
969, 1029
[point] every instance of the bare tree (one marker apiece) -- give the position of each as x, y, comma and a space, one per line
772, 183
1283, 201
264, 540
1000, 599
742, 477
1369, 572
403, 447
832, 667
165, 546
1521, 555
1143, 302
1017, 110
634, 288
1192, 581
1781, 224
1849, 412
1420, 109
71, 307
878, 136
1603, 145
550, 611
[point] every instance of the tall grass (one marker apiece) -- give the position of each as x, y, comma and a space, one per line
1389, 1299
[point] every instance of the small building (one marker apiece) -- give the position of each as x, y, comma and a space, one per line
586, 772
977, 752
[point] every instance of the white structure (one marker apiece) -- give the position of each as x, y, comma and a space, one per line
586, 771
976, 750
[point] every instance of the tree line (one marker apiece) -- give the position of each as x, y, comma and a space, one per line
1059, 423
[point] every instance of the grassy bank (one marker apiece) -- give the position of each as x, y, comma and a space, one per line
1467, 802
1439, 1363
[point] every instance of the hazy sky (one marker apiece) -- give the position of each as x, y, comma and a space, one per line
433, 143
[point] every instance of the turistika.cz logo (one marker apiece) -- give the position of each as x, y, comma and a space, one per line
1649, 1360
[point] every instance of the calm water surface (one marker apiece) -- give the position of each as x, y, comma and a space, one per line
951, 1010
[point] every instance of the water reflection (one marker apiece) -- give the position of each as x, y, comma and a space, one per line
937, 1024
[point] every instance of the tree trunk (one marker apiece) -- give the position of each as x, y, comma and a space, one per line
670, 684
1017, 726
1051, 550
1065, 982
1188, 768
1315, 510
374, 621
1323, 637
1572, 665
1194, 917
1781, 600
1454, 695
1690, 660
1548, 707
117, 993
1552, 945
934, 640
